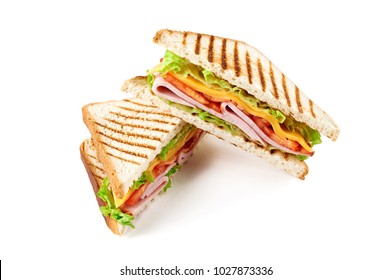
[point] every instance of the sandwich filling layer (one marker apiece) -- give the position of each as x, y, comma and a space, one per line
199, 92
153, 180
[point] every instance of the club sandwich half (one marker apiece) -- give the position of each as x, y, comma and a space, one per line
134, 149
230, 89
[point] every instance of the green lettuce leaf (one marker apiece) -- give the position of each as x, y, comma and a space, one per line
117, 215
168, 185
172, 171
177, 139
150, 79
110, 210
300, 157
205, 116
105, 194
179, 65
311, 135
144, 178
174, 63
277, 114
212, 81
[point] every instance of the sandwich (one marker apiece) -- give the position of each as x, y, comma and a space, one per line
231, 90
134, 150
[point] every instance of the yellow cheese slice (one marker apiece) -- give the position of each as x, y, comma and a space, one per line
119, 201
198, 86
155, 69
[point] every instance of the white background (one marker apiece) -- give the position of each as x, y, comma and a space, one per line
226, 207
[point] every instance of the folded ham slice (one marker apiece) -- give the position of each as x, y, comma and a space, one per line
166, 90
229, 112
157, 181
161, 181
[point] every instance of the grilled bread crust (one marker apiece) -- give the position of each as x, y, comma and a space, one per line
96, 174
128, 134
244, 66
289, 163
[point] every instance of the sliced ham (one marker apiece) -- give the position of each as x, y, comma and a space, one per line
166, 90
236, 116
229, 112
141, 204
155, 184
161, 181
188, 150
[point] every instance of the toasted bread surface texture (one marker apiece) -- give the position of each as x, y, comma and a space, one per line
128, 135
246, 67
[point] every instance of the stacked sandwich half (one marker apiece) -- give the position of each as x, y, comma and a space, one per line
134, 150
203, 83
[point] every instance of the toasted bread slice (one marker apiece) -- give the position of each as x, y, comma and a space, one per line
244, 66
128, 135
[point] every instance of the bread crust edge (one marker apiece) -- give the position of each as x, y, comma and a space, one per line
111, 224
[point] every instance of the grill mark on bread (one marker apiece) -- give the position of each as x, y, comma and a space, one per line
125, 152
145, 111
98, 168
95, 166
127, 133
260, 73
275, 89
91, 159
154, 120
236, 60
96, 175
286, 92
140, 104
184, 38
122, 158
119, 140
286, 156
91, 156
197, 45
249, 70
135, 125
298, 102
311, 107
224, 54
210, 48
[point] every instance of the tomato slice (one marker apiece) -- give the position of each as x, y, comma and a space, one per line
208, 101
187, 90
266, 127
215, 106
135, 197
